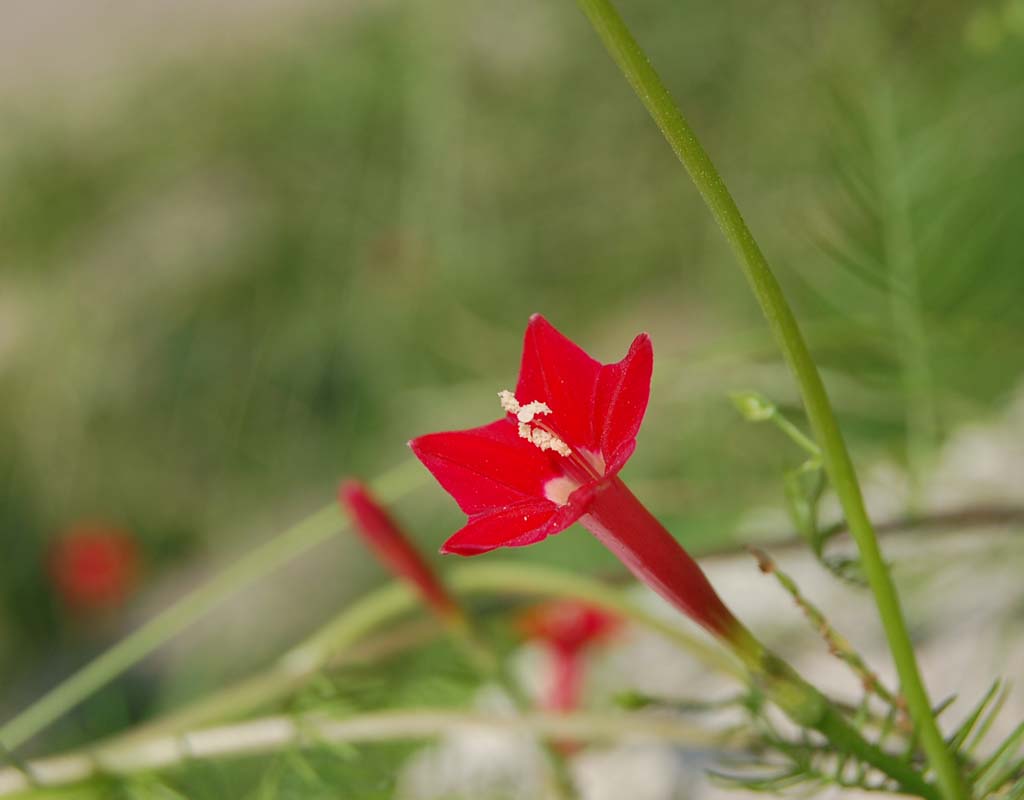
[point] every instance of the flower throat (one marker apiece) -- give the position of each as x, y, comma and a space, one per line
584, 466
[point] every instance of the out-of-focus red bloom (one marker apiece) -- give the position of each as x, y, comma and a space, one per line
94, 567
568, 624
393, 548
554, 458
567, 629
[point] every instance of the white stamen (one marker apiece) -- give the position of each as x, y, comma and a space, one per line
530, 410
508, 401
525, 414
543, 439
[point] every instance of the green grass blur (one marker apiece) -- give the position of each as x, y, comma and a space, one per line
251, 275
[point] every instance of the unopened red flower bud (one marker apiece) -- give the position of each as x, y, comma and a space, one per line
394, 549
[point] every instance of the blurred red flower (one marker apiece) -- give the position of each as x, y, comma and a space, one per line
94, 567
567, 629
568, 625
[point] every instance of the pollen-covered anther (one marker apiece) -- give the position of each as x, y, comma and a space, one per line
530, 410
508, 401
525, 414
545, 440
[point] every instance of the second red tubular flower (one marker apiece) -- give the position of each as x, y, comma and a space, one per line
567, 629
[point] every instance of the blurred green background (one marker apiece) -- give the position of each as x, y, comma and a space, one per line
231, 276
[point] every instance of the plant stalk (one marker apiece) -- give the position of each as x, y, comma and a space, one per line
636, 67
383, 606
276, 734
247, 570
316, 528
809, 708
622, 524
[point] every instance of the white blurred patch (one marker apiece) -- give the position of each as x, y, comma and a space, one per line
478, 763
635, 772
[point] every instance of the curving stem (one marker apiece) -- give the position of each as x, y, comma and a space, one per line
648, 86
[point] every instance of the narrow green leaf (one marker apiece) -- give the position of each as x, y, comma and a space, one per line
986, 724
999, 768
958, 738
1017, 792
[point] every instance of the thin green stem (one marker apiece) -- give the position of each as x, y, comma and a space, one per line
755, 407
466, 636
254, 565
797, 435
278, 734
294, 668
137, 645
384, 605
533, 580
810, 709
655, 96
838, 645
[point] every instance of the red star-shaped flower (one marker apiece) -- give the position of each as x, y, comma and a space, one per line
570, 427
554, 459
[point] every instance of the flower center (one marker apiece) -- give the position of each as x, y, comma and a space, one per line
529, 428
582, 465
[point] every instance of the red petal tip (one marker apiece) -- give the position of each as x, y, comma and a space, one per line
445, 550
642, 339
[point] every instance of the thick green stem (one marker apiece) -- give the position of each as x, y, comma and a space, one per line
656, 98
809, 708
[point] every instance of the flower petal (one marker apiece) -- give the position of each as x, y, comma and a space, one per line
622, 393
556, 371
515, 526
487, 467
